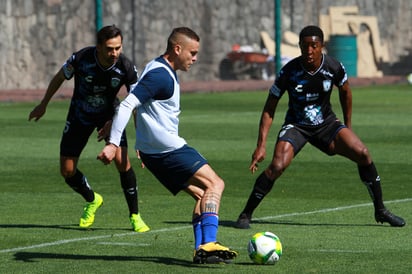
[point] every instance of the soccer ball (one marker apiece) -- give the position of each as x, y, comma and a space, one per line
264, 248
409, 78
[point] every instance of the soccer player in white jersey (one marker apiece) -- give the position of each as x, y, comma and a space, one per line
309, 80
176, 165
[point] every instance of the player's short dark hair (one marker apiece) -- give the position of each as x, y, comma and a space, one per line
108, 32
311, 31
172, 40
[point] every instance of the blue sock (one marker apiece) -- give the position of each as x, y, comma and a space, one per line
209, 223
197, 230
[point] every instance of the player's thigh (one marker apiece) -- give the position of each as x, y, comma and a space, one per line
291, 136
206, 178
291, 140
284, 153
348, 144
75, 137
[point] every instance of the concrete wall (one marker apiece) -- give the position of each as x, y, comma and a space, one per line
37, 36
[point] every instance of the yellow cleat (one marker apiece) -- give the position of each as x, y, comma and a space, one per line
138, 224
89, 211
212, 253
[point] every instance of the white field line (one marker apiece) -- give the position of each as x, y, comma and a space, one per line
338, 251
122, 244
67, 241
328, 210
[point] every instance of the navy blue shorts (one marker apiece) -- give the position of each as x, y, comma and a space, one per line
76, 135
174, 169
319, 136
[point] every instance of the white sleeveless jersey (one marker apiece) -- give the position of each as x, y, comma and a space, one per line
157, 120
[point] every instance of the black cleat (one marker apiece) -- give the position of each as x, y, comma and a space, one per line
243, 222
214, 253
213, 259
384, 215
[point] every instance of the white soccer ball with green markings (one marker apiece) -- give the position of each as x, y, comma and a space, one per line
409, 78
264, 248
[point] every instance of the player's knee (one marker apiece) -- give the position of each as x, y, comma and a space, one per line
276, 169
364, 156
122, 168
76, 180
122, 164
67, 173
122, 160
218, 185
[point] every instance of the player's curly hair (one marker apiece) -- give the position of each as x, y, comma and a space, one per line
311, 31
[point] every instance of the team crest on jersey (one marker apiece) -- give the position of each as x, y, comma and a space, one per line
68, 70
115, 82
326, 85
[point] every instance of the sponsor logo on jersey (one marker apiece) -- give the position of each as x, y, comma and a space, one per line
118, 71
312, 97
326, 73
88, 78
99, 89
299, 88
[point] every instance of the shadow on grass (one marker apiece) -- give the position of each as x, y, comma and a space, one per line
223, 223
67, 226
32, 257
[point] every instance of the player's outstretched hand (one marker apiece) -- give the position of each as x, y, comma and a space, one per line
37, 112
107, 154
257, 157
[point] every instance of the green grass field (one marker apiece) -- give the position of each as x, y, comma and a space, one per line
319, 208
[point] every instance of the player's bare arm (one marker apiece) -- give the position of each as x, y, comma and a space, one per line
54, 85
266, 121
345, 98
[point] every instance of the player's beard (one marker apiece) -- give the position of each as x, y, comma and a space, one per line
113, 59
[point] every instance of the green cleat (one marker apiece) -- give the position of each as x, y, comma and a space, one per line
89, 211
138, 224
